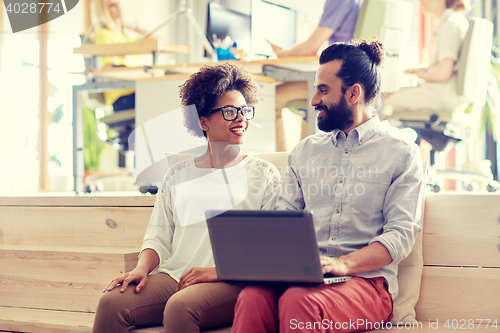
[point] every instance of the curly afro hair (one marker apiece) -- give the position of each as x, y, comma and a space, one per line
212, 81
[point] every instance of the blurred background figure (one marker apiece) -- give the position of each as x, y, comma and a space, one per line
438, 93
336, 25
109, 28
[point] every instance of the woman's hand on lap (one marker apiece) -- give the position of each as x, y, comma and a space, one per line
139, 275
197, 275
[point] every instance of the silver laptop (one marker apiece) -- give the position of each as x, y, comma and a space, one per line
266, 247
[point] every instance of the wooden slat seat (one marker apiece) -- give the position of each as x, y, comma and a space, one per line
46, 321
461, 258
74, 225
57, 254
60, 277
49, 321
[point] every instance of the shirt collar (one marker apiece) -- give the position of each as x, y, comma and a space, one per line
335, 134
368, 129
365, 131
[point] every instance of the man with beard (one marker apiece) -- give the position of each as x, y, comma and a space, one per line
363, 186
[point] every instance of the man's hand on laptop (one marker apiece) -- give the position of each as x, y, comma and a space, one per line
197, 275
333, 266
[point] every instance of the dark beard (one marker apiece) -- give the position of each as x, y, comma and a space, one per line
338, 116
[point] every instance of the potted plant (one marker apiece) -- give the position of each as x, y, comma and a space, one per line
94, 147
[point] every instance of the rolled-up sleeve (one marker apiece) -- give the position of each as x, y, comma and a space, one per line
402, 206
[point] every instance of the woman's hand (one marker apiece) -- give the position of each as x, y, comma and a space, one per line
197, 275
276, 49
439, 72
139, 275
421, 73
333, 266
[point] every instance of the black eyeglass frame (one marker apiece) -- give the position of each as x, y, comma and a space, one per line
239, 110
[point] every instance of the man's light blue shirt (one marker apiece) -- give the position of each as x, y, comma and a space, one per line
362, 188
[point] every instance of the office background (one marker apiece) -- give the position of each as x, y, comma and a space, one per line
38, 69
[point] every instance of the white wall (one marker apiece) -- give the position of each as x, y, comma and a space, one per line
413, 42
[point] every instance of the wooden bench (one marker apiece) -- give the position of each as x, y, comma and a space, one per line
58, 252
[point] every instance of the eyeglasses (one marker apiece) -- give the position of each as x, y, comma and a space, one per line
230, 112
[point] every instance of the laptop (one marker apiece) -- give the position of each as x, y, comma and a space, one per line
266, 247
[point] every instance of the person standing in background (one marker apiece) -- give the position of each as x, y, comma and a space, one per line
337, 24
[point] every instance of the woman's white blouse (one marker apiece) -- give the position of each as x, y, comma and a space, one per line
177, 230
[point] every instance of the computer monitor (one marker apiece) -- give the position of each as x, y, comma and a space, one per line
224, 22
272, 22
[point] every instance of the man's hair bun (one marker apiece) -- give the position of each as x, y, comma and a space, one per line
361, 62
374, 50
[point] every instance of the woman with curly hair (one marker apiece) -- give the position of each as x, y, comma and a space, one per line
175, 282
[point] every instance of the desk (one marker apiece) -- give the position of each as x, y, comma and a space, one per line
153, 46
283, 69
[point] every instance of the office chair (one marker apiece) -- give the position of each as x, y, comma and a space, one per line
446, 129
389, 21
